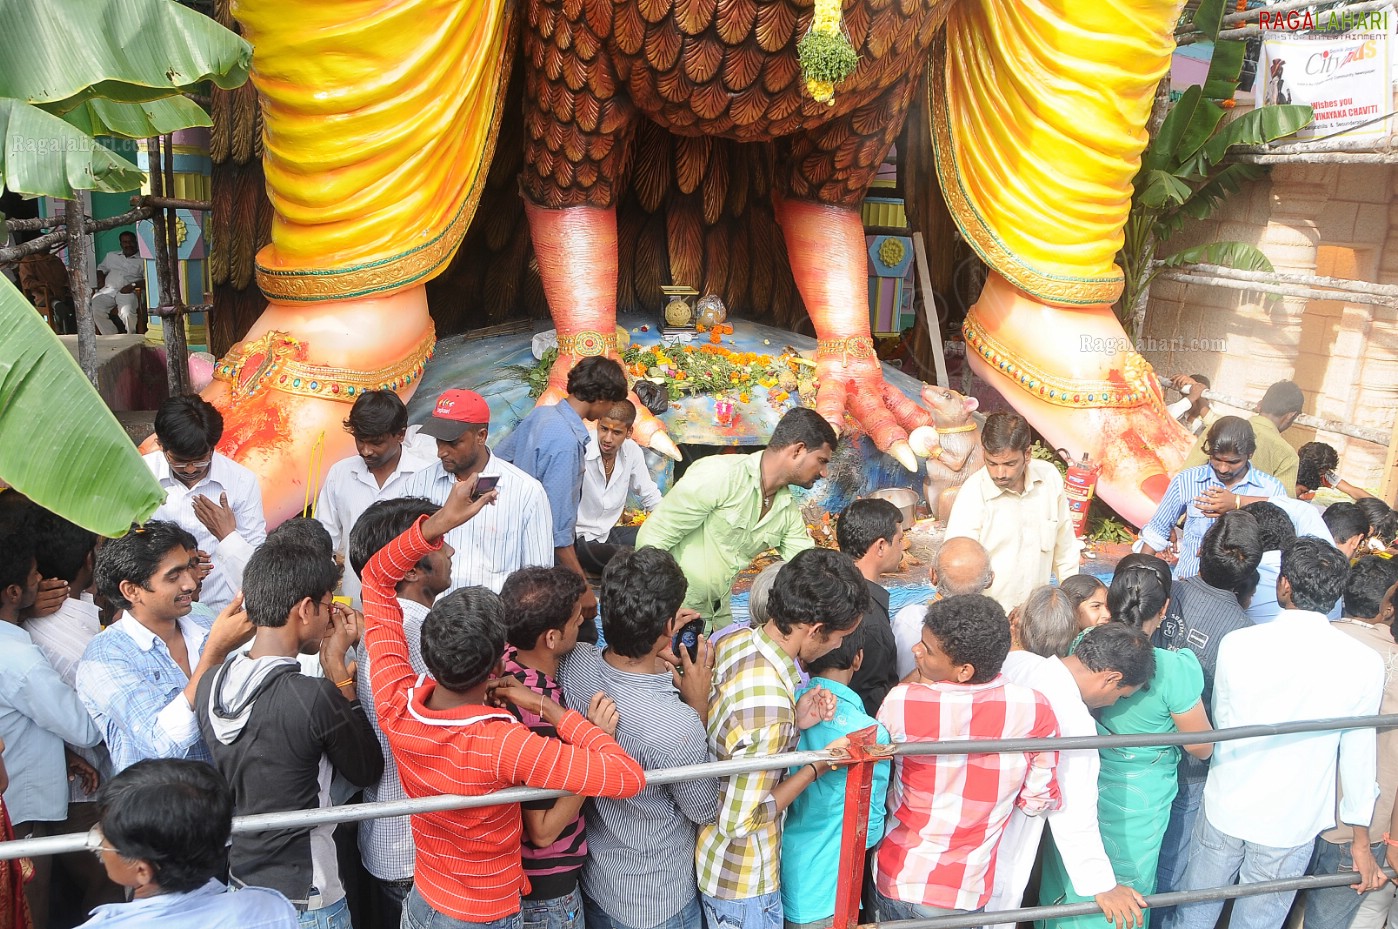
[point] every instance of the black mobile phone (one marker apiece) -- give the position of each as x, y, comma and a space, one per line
484, 485
688, 638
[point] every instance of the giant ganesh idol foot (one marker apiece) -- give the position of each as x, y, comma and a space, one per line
286, 389
576, 250
826, 246
1077, 379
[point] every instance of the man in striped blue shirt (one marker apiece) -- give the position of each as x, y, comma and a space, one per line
1230, 444
640, 870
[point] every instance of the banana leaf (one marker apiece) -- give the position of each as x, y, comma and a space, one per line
1204, 200
1208, 17
1224, 67
97, 116
1237, 255
1160, 153
60, 52
1262, 125
41, 155
59, 444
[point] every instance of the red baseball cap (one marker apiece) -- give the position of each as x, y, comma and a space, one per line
455, 412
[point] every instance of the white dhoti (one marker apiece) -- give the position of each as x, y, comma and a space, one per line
105, 300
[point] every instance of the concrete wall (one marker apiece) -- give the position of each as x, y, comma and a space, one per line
1331, 220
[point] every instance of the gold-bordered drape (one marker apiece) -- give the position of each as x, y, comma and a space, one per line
380, 123
1039, 110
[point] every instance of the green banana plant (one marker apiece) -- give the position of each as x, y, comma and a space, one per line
1183, 177
70, 71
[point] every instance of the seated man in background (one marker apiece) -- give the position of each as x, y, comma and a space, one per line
613, 469
164, 834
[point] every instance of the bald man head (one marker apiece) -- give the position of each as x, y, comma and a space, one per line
961, 566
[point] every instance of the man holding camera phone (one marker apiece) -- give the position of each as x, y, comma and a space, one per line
517, 531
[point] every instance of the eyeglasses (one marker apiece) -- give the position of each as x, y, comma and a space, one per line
179, 465
94, 843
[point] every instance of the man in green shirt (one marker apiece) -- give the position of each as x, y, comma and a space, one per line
728, 509
1280, 406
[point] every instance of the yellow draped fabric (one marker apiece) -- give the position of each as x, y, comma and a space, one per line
1039, 122
380, 122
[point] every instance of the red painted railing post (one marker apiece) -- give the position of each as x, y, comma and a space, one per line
854, 832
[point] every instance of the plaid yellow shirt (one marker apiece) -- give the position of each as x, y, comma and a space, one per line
752, 713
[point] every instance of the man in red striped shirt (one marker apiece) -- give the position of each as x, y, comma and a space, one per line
450, 735
948, 812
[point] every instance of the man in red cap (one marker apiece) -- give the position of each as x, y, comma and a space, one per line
517, 531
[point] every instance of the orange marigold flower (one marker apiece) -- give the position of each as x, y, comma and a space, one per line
715, 336
743, 397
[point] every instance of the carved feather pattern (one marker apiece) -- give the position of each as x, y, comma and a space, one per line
684, 228
702, 59
694, 16
741, 66
691, 161
735, 19
776, 25
638, 103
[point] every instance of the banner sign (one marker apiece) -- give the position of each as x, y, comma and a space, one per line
1347, 80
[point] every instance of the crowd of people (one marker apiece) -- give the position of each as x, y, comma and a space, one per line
476, 619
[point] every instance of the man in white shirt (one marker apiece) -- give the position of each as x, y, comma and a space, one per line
1267, 799
38, 713
121, 281
1017, 508
379, 470
1111, 662
614, 468
65, 551
517, 530
212, 497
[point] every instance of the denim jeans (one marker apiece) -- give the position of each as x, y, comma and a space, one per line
764, 912
388, 902
1334, 907
690, 916
1174, 848
891, 909
419, 914
565, 912
334, 916
1219, 860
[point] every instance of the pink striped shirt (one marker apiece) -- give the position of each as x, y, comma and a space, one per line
948, 812
468, 861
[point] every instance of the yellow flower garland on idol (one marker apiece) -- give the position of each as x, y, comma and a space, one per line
826, 55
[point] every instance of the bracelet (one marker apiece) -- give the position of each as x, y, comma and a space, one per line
1389, 841
815, 772
1237, 502
347, 682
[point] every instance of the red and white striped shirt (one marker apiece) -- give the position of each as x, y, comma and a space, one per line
468, 861
948, 812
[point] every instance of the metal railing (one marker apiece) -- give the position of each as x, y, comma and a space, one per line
857, 761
